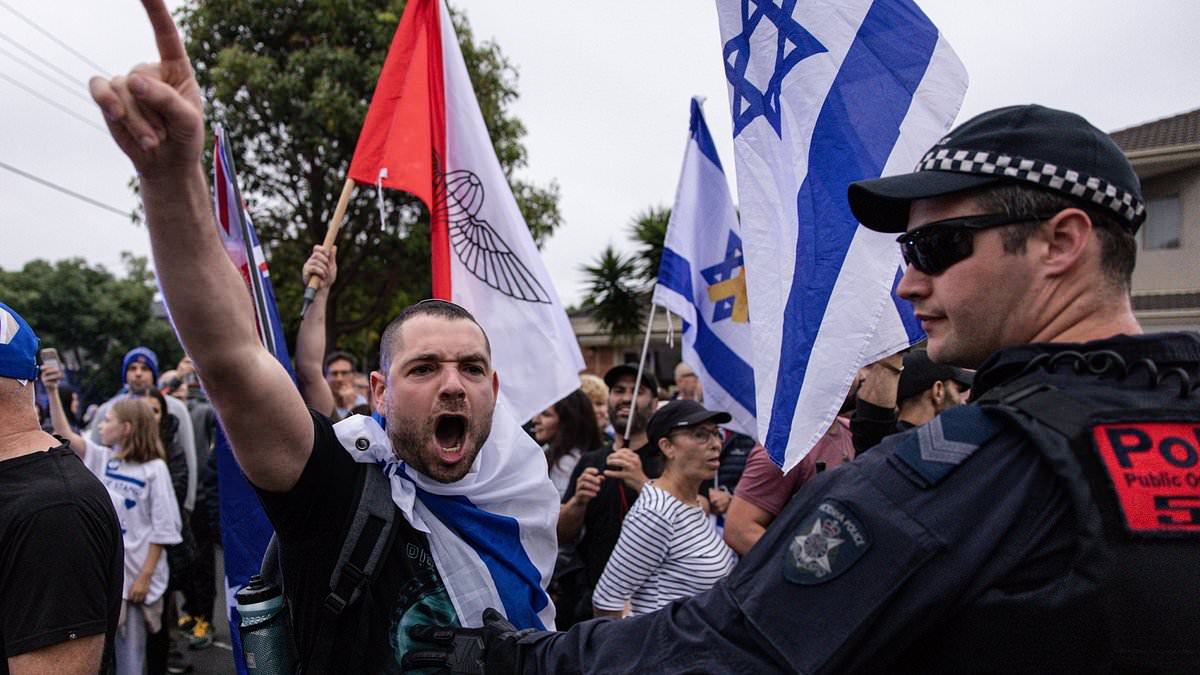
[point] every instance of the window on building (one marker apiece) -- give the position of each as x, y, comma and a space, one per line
1163, 223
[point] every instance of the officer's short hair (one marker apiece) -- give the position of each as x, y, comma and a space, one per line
1118, 248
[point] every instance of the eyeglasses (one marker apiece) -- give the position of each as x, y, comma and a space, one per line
935, 247
701, 434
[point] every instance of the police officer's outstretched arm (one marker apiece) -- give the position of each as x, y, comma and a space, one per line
156, 116
862, 569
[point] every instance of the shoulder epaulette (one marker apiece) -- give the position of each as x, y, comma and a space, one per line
935, 449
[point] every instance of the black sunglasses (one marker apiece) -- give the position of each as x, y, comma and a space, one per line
934, 247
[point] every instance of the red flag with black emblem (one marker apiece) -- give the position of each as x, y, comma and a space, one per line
425, 134
405, 128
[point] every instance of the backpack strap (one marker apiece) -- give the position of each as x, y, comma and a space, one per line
269, 569
367, 542
1045, 403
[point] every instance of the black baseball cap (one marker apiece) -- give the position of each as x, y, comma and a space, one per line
1028, 144
680, 415
617, 372
920, 372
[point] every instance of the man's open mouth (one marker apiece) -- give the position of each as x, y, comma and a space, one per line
450, 431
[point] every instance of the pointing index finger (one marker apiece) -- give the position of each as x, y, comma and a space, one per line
166, 35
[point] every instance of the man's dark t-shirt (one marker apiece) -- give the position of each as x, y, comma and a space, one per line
61, 558
312, 521
606, 511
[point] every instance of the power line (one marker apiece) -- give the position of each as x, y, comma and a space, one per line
39, 57
56, 40
71, 90
72, 193
56, 104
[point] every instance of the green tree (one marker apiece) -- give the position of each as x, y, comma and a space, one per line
649, 231
291, 83
617, 297
91, 316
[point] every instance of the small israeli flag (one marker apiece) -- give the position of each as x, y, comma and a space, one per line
702, 278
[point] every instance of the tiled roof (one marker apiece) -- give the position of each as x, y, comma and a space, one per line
1158, 301
1181, 129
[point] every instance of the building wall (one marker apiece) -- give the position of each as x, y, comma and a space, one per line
1173, 269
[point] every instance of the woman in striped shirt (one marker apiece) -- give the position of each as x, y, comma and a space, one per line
668, 548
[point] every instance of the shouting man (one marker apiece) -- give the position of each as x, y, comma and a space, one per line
475, 523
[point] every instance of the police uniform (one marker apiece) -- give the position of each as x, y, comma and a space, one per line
1054, 527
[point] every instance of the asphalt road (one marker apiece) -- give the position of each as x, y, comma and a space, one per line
217, 659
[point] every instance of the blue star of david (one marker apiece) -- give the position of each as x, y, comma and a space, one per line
723, 271
793, 45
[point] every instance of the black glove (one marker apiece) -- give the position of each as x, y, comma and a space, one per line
469, 651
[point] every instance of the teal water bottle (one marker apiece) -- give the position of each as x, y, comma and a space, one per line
265, 630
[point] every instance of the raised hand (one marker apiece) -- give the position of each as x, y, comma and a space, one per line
626, 465
51, 376
321, 264
588, 486
154, 113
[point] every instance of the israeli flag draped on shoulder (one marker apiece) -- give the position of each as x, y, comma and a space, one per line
702, 278
823, 94
491, 533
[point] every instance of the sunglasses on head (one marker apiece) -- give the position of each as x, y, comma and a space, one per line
934, 247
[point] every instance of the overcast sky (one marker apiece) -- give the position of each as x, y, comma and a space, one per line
604, 97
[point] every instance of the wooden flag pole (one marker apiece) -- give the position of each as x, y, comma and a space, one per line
330, 236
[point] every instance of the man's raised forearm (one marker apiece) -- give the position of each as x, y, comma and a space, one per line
204, 292
155, 115
310, 351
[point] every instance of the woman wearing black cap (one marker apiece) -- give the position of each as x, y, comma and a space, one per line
668, 548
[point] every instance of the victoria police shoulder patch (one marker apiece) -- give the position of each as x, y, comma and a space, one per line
828, 541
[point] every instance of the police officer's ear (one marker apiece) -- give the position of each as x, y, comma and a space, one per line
1066, 239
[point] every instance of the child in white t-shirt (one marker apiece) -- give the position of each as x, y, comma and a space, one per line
131, 464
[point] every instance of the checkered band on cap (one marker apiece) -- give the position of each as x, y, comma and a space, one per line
1073, 183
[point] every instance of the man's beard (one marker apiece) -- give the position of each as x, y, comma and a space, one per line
640, 418
411, 438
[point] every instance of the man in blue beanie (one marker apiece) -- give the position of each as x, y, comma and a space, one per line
139, 368
61, 557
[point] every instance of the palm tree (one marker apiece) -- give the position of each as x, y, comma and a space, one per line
649, 229
617, 297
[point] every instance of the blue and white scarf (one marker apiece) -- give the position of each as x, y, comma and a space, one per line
491, 533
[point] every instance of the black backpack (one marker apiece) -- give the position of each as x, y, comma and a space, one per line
368, 540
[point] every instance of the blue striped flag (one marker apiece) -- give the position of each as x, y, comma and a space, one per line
823, 94
702, 278
245, 530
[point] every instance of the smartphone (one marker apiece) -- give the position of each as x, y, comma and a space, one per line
50, 358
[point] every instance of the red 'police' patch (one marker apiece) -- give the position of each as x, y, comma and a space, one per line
1155, 471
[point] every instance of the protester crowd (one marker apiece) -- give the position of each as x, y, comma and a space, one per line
947, 521
648, 518
658, 498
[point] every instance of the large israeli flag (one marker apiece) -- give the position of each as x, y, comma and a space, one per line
702, 278
823, 94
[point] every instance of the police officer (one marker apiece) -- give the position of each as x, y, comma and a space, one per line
1053, 525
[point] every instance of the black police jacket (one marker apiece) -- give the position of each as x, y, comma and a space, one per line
1052, 527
